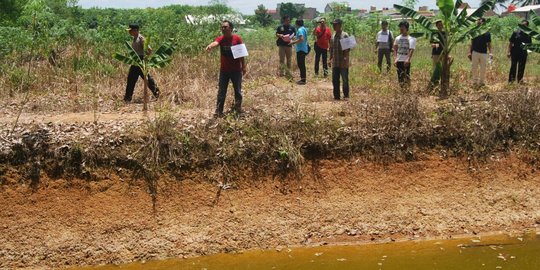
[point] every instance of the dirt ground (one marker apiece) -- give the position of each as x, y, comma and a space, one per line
112, 221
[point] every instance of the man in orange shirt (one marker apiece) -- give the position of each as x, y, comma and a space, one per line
323, 35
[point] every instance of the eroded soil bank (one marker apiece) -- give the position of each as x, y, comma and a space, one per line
66, 222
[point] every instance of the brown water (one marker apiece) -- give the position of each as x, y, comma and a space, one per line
494, 252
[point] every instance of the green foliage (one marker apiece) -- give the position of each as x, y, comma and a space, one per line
291, 9
262, 16
458, 27
533, 30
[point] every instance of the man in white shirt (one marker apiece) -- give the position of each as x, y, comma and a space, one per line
404, 47
385, 41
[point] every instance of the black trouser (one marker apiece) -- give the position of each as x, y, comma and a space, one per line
301, 62
134, 73
318, 53
404, 74
519, 60
344, 74
236, 78
384, 53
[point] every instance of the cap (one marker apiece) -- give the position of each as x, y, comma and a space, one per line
337, 21
438, 20
133, 27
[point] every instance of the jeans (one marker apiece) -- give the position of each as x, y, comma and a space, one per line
519, 60
404, 75
384, 53
285, 53
344, 74
301, 62
318, 53
134, 73
236, 79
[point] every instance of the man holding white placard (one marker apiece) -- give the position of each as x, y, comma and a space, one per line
284, 34
232, 68
339, 59
385, 41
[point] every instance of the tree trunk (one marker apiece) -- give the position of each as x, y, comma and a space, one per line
145, 93
445, 76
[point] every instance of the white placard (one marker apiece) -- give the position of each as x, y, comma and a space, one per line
383, 38
348, 43
239, 51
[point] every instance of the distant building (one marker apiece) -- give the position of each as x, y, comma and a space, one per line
489, 13
523, 12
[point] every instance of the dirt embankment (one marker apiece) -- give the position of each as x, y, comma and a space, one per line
79, 222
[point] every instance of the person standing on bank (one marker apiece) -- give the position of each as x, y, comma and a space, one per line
302, 49
231, 69
437, 47
518, 54
383, 47
284, 33
478, 54
339, 61
135, 71
323, 35
404, 47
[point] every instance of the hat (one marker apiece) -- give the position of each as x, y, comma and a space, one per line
438, 20
133, 27
337, 21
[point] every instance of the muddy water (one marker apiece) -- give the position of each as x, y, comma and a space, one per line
494, 252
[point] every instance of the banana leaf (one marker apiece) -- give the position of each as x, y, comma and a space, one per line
479, 13
534, 18
533, 47
446, 7
417, 17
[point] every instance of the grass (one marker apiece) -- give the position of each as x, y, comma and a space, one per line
285, 126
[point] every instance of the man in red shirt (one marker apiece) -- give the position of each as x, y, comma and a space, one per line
231, 69
323, 35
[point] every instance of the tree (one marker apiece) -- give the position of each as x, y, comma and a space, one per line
533, 30
339, 10
262, 16
459, 26
161, 58
410, 3
293, 10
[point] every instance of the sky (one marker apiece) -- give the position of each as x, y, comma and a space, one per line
248, 6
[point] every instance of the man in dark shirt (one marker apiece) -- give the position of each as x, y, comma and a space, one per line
284, 35
437, 46
518, 54
135, 71
478, 54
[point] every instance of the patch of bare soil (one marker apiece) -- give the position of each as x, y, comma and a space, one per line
69, 222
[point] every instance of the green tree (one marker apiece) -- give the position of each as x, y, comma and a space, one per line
459, 26
410, 3
262, 16
339, 10
161, 58
293, 10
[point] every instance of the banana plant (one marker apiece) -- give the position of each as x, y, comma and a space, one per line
161, 58
459, 26
532, 30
